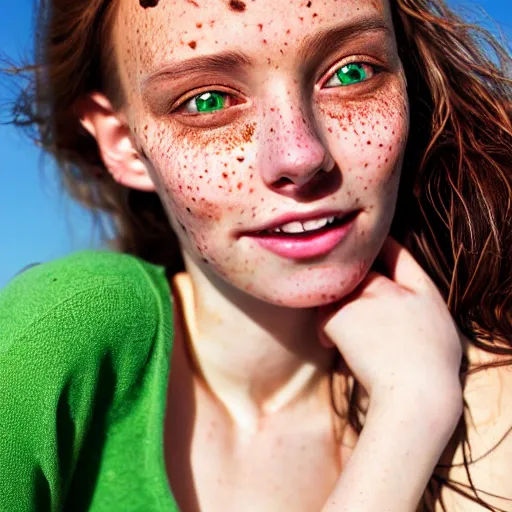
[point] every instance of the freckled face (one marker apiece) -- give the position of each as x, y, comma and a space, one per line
233, 147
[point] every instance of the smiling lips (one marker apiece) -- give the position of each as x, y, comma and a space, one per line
305, 239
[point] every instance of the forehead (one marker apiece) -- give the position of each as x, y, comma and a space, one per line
149, 33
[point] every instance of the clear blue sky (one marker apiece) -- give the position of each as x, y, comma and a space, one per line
37, 223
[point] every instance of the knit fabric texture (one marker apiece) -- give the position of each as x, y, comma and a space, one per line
85, 345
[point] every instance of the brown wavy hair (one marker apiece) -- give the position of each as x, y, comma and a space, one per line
454, 204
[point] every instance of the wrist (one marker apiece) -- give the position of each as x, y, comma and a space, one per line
433, 411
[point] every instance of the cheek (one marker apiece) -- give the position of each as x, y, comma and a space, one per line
368, 138
202, 176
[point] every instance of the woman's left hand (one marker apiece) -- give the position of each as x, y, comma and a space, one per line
396, 334
399, 340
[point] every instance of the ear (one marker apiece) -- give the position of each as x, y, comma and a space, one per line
115, 142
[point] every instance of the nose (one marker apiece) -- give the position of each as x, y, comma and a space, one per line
293, 154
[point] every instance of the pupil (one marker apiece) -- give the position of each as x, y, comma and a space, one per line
209, 102
351, 73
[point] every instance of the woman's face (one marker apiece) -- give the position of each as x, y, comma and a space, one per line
255, 113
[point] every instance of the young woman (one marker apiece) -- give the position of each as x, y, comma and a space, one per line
314, 202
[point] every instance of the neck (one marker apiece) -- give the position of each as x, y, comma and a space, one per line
255, 358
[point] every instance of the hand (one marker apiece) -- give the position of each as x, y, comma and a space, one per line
396, 334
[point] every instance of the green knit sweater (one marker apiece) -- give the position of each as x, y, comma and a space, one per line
85, 345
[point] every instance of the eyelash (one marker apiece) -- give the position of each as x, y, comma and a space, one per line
375, 69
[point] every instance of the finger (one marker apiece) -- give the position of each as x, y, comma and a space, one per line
374, 284
402, 268
328, 317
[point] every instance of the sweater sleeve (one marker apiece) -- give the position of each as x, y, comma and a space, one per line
73, 340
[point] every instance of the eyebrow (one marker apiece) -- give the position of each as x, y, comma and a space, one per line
329, 37
227, 61
234, 61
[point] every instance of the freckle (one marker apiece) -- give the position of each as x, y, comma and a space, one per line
248, 132
192, 45
237, 5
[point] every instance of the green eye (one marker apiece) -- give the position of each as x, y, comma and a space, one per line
206, 102
352, 73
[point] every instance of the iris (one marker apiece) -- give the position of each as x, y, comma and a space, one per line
351, 73
209, 102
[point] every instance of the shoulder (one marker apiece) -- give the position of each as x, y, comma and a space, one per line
48, 282
77, 337
488, 417
84, 301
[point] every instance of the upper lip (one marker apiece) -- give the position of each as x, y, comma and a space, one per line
300, 217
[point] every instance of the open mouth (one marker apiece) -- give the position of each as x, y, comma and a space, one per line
292, 242
303, 231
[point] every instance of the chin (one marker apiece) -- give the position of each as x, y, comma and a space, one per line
310, 287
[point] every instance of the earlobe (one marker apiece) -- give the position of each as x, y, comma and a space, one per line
114, 141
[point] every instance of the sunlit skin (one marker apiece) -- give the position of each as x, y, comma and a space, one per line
235, 169
230, 150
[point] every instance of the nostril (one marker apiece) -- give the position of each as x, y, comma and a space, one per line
282, 182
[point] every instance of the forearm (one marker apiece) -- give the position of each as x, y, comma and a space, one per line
394, 458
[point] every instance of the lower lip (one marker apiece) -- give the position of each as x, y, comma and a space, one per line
313, 246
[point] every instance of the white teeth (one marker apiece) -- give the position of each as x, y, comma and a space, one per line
292, 227
299, 227
310, 225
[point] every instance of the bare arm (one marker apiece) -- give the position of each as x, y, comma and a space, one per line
395, 455
398, 338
